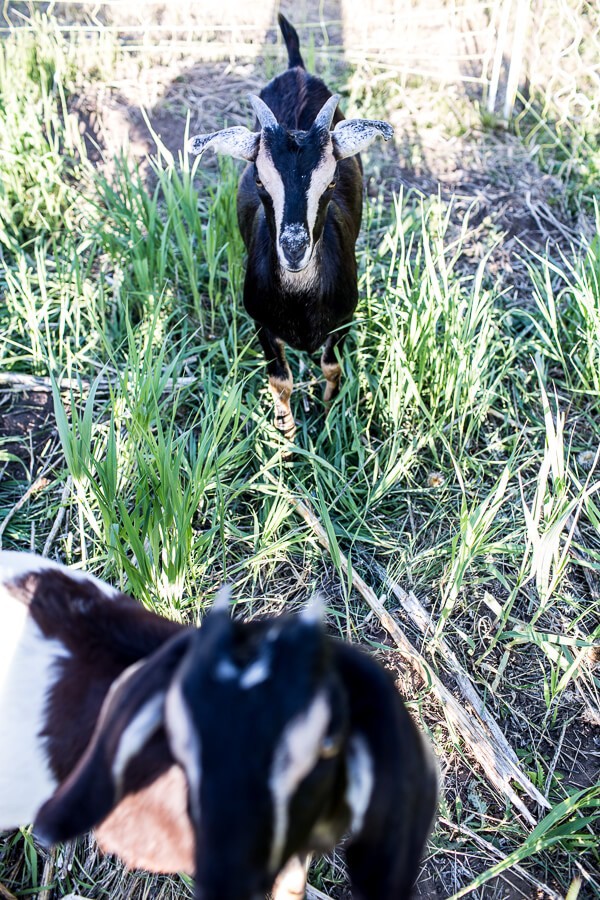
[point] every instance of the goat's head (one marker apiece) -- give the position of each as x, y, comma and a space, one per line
295, 171
255, 714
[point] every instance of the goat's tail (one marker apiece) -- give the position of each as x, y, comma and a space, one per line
292, 42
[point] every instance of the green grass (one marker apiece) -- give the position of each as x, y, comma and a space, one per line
460, 457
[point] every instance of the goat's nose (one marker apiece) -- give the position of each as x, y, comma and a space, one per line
294, 243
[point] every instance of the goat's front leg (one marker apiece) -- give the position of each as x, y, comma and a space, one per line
330, 365
280, 381
291, 881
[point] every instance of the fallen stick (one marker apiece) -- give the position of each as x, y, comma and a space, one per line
59, 518
5, 893
422, 620
14, 381
495, 756
548, 893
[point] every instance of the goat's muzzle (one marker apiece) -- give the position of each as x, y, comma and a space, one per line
295, 247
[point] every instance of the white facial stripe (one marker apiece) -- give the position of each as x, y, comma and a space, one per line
255, 673
321, 176
295, 756
184, 741
360, 780
273, 184
140, 729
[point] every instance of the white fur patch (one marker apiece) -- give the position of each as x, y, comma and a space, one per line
27, 662
143, 725
273, 184
15, 565
226, 671
185, 745
321, 176
255, 673
360, 780
295, 756
306, 279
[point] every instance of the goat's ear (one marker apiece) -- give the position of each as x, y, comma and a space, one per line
239, 142
392, 781
354, 135
131, 716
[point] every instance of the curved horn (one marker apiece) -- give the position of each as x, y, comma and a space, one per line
326, 113
222, 600
263, 113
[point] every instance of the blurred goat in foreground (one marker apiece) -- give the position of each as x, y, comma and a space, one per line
231, 752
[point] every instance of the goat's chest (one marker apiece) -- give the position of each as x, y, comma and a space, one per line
301, 320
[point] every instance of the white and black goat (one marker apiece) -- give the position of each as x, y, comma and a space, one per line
231, 751
299, 212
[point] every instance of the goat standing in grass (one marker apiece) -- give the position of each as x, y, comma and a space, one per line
231, 751
299, 212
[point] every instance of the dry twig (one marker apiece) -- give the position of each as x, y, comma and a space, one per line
548, 893
17, 382
489, 748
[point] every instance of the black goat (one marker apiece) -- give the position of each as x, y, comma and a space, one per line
299, 212
232, 751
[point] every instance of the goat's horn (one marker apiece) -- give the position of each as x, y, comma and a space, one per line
222, 599
263, 113
314, 611
326, 113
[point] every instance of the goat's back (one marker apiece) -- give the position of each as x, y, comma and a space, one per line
295, 97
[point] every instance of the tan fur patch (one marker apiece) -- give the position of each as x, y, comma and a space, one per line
291, 881
281, 389
151, 829
333, 374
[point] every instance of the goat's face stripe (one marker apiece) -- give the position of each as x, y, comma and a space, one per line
361, 777
184, 741
295, 756
322, 175
143, 725
295, 180
273, 184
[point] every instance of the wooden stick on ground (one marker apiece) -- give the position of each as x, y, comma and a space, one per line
548, 892
489, 747
15, 381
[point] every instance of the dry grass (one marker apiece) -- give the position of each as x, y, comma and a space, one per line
465, 475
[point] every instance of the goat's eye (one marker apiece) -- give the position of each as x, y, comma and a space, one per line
330, 747
331, 185
258, 182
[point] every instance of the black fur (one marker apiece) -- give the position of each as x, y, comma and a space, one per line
238, 727
307, 319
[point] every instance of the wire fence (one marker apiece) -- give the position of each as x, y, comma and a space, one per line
501, 47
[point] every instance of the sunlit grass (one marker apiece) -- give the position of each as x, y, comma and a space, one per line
460, 456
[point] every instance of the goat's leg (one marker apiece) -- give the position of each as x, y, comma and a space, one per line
280, 381
330, 365
291, 881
